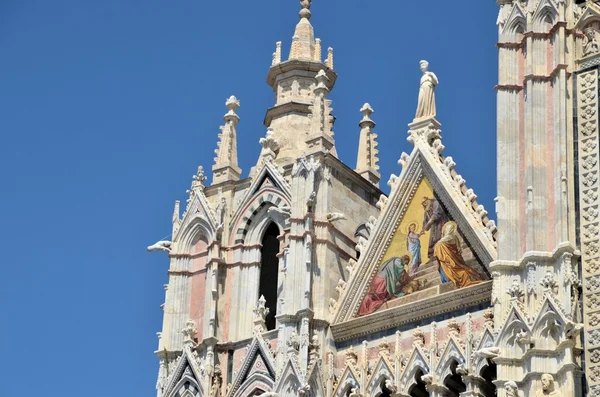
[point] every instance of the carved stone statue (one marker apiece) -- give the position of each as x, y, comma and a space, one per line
548, 387
160, 246
511, 389
591, 45
426, 104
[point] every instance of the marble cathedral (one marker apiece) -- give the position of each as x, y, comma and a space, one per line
305, 279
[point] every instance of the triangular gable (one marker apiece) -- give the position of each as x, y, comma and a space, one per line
591, 14
197, 210
486, 341
186, 369
514, 328
425, 175
268, 177
550, 324
258, 363
515, 18
453, 351
417, 362
544, 7
349, 380
290, 379
383, 370
315, 380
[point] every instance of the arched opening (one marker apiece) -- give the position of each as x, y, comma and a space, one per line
454, 381
418, 389
269, 271
489, 374
385, 392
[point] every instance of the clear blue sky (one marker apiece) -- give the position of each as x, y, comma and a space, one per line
107, 108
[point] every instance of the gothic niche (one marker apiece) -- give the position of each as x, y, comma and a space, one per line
269, 272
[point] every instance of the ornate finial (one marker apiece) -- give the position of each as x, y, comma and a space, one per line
199, 179
293, 344
515, 292
189, 333
305, 11
351, 357
384, 348
419, 337
314, 350
269, 144
488, 315
260, 315
454, 328
366, 111
232, 104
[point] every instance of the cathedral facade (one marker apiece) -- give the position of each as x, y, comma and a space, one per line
305, 279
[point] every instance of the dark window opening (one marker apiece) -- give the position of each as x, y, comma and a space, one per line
229, 366
385, 391
489, 373
454, 382
269, 271
419, 390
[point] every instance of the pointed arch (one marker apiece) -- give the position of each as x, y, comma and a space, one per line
514, 328
545, 16
186, 387
549, 327
188, 234
249, 227
453, 380
416, 364
348, 381
256, 383
382, 372
289, 380
516, 22
486, 341
452, 353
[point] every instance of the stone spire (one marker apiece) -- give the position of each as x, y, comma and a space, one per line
303, 42
367, 160
301, 85
226, 162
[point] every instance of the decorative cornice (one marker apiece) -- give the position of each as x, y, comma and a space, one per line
411, 312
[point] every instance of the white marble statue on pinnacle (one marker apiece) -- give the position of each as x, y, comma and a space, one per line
426, 105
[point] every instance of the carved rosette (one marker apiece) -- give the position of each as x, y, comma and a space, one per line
587, 124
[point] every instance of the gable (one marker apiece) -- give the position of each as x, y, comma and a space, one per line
257, 366
426, 255
467, 248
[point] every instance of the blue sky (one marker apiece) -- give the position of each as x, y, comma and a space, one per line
107, 108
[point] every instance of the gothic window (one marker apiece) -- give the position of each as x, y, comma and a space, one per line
489, 373
419, 390
269, 271
454, 381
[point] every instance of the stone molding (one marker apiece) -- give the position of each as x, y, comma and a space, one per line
589, 191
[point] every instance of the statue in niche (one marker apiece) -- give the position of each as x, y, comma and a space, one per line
426, 104
548, 387
511, 389
591, 45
